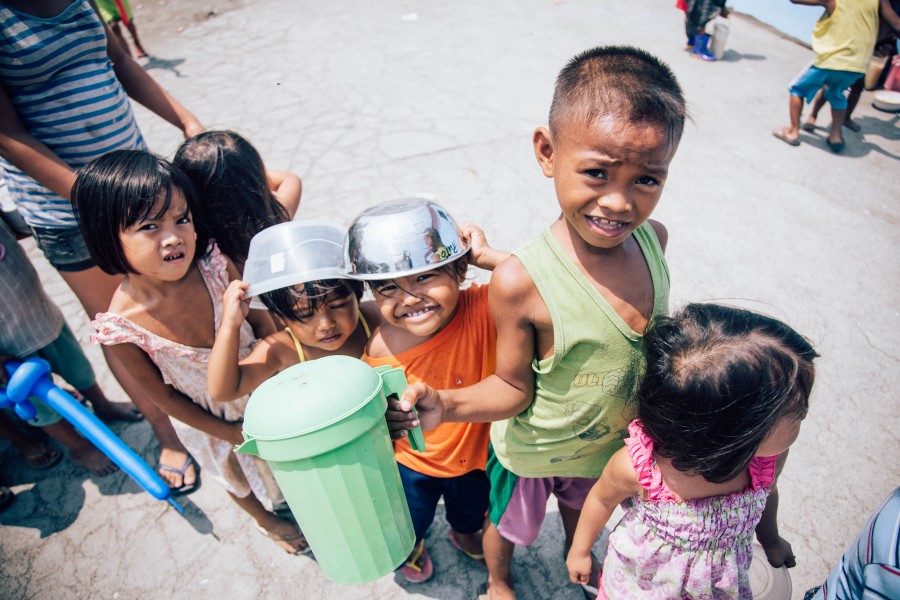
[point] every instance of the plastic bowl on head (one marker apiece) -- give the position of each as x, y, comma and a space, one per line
292, 253
399, 238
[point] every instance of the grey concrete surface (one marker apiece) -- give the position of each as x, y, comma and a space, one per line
369, 101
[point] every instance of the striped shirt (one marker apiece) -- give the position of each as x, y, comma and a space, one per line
59, 78
871, 566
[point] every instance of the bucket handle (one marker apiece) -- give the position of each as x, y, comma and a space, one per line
393, 381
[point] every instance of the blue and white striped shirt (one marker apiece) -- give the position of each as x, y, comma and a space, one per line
59, 78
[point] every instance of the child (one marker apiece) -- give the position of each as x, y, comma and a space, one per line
438, 333
119, 11
724, 394
240, 196
136, 212
571, 306
323, 317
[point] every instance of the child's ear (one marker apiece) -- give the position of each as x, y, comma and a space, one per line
462, 268
543, 150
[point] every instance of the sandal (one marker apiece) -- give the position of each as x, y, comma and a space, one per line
473, 555
44, 458
185, 488
287, 539
418, 568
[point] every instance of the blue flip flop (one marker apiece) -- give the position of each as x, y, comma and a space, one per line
186, 488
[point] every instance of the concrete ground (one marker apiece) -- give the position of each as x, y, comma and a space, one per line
369, 101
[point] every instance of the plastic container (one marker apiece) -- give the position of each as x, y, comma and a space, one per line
320, 426
767, 582
886, 100
399, 238
720, 31
292, 253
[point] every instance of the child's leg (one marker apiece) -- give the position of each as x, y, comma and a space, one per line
422, 495
107, 410
35, 452
817, 104
139, 49
466, 501
498, 554
282, 531
81, 451
778, 550
120, 37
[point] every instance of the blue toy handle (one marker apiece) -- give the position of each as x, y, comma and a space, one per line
31, 379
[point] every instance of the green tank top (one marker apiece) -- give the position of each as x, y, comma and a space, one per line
581, 408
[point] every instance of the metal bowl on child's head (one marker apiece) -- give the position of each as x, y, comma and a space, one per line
399, 238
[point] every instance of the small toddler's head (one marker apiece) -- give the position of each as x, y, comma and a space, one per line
132, 201
322, 313
616, 120
723, 385
231, 181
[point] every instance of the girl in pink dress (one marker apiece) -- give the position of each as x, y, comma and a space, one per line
724, 394
137, 214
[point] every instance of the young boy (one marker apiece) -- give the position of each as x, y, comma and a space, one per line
571, 306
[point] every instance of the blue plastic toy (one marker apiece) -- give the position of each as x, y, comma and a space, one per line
32, 378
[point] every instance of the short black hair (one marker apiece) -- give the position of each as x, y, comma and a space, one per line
621, 81
456, 269
121, 188
283, 301
231, 182
718, 380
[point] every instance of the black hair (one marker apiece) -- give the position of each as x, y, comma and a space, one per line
231, 181
121, 188
455, 270
718, 380
621, 81
283, 301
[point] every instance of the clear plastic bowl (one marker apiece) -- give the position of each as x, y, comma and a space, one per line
292, 253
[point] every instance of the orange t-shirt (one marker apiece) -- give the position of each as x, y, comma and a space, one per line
461, 354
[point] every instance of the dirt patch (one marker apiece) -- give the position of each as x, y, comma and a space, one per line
161, 20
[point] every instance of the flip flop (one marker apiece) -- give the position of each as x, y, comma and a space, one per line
836, 147
43, 459
472, 555
185, 488
286, 538
810, 127
481, 593
6, 497
780, 134
412, 571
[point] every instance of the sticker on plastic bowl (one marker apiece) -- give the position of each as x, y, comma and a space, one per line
277, 263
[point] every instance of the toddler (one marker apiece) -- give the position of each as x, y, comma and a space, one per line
438, 333
136, 212
724, 394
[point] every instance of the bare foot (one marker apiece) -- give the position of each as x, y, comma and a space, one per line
779, 553
38, 455
284, 533
175, 460
498, 590
93, 460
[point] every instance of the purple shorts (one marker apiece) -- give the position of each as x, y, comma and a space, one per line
519, 504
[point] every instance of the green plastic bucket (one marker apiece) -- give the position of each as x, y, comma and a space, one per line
320, 427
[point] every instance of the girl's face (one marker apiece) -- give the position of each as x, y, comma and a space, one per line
329, 326
781, 437
421, 304
162, 246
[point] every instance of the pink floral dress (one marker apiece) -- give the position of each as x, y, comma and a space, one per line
184, 368
698, 549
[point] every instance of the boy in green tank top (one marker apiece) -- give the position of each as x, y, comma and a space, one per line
571, 307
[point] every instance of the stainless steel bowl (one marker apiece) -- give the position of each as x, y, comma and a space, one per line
399, 238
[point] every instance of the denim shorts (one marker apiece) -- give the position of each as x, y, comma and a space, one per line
813, 79
64, 248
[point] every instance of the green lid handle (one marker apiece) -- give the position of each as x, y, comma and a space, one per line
393, 381
248, 447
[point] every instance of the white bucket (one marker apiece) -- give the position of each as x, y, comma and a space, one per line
719, 37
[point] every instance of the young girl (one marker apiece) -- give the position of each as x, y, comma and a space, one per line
441, 334
240, 196
136, 212
725, 392
323, 317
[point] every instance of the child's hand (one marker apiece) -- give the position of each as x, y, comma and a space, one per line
399, 421
235, 430
234, 306
480, 252
579, 565
427, 402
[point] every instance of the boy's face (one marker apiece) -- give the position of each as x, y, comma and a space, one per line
608, 175
422, 304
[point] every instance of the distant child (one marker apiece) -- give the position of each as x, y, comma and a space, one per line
324, 317
724, 394
240, 196
571, 306
137, 212
439, 333
119, 11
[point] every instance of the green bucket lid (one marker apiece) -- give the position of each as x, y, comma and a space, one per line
309, 396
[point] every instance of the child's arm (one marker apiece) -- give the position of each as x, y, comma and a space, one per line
227, 377
138, 84
778, 550
260, 320
171, 401
618, 482
287, 188
510, 390
481, 254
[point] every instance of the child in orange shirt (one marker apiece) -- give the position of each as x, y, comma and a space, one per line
436, 333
